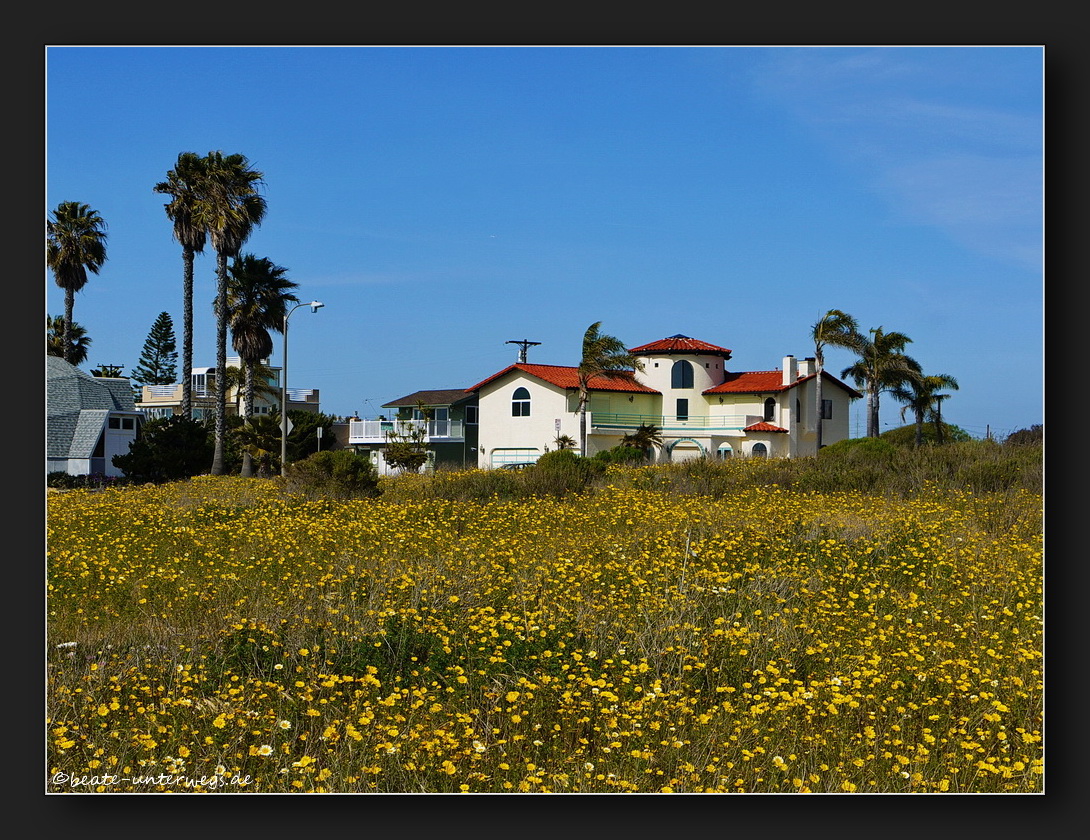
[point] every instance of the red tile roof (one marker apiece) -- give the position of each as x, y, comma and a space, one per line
748, 382
568, 377
680, 344
768, 381
764, 426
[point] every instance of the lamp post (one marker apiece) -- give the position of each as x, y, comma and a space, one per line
314, 305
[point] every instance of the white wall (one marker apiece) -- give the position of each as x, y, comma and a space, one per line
500, 430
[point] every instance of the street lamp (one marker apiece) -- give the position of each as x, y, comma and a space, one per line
314, 305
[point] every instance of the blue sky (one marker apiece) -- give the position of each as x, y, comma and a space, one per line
442, 201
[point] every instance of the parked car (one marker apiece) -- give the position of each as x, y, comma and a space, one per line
517, 466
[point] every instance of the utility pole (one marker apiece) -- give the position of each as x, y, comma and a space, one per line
524, 344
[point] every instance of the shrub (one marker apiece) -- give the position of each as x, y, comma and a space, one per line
906, 435
860, 449
560, 472
333, 474
1026, 437
95, 481
167, 449
621, 455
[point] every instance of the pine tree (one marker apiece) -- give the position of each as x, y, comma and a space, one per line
158, 360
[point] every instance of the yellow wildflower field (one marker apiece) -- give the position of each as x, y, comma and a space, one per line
217, 635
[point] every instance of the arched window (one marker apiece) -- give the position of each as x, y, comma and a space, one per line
770, 409
681, 375
759, 450
520, 403
724, 451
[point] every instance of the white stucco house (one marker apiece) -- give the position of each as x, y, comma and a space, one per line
702, 408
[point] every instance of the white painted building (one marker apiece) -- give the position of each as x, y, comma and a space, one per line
685, 390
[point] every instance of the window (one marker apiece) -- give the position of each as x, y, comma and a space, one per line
471, 415
798, 412
127, 423
826, 409
724, 451
759, 450
682, 409
770, 409
115, 422
520, 403
681, 375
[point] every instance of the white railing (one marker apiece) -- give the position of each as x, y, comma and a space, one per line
626, 422
376, 431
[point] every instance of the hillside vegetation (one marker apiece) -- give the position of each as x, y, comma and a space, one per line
862, 621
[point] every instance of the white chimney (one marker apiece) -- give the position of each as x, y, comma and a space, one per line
807, 366
790, 370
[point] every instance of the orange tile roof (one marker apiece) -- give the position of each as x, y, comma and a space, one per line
568, 377
750, 382
768, 381
764, 426
680, 344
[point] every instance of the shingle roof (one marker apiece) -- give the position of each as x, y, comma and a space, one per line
568, 377
77, 405
449, 396
680, 344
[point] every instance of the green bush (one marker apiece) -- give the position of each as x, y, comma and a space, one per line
168, 449
621, 455
860, 449
559, 473
1026, 437
333, 474
95, 481
906, 435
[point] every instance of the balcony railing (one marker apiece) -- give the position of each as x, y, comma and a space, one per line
609, 422
375, 431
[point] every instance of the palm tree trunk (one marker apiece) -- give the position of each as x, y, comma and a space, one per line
919, 427
69, 306
583, 399
872, 410
248, 411
817, 397
221, 362
187, 333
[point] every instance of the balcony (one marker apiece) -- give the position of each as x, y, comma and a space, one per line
603, 423
435, 431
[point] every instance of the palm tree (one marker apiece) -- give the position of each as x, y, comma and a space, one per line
564, 442
881, 366
645, 438
259, 440
921, 396
78, 341
833, 329
230, 207
75, 244
185, 185
604, 356
257, 301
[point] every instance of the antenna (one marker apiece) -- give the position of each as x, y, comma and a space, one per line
524, 344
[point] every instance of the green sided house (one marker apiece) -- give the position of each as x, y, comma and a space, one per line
447, 419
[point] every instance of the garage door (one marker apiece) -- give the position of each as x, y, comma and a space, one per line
514, 456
